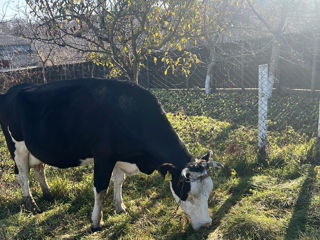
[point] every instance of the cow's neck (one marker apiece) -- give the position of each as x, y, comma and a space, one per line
164, 144
175, 153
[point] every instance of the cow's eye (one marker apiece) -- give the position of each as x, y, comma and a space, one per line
191, 197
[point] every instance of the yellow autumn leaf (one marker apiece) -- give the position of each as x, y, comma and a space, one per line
165, 23
155, 60
177, 61
179, 46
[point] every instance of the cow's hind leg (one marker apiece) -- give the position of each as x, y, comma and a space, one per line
118, 178
120, 171
21, 157
39, 172
102, 174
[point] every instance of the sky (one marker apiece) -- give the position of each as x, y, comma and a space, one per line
10, 8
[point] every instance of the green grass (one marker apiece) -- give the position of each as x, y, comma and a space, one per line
276, 196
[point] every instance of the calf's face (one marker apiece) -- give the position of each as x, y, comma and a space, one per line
191, 188
195, 201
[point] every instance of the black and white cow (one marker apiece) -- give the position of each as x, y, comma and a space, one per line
117, 125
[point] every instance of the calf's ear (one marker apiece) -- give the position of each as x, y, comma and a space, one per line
168, 171
207, 156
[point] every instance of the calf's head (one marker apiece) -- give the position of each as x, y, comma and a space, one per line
191, 188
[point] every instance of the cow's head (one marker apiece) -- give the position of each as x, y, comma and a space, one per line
191, 188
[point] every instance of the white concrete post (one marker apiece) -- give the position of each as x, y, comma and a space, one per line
265, 91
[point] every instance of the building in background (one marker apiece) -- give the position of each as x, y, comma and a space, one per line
16, 53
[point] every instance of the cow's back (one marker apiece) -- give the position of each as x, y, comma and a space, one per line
66, 121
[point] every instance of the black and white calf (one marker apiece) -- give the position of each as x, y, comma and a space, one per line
118, 125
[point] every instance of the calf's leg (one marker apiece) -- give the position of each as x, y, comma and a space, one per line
120, 171
118, 178
39, 172
102, 173
21, 158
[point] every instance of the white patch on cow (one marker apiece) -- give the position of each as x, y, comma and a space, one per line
119, 173
196, 205
33, 161
128, 168
21, 158
86, 161
24, 160
97, 209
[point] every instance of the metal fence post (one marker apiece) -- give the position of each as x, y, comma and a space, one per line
265, 91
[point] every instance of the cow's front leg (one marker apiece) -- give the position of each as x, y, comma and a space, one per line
102, 174
97, 210
118, 178
39, 172
21, 157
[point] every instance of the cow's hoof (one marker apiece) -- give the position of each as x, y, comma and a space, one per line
32, 206
121, 209
48, 196
95, 229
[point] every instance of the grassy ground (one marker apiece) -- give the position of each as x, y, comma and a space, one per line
256, 196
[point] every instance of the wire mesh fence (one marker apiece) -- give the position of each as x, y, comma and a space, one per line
232, 71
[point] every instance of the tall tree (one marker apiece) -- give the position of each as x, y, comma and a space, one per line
316, 45
121, 33
220, 21
275, 25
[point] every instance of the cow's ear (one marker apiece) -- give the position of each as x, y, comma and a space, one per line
168, 171
207, 156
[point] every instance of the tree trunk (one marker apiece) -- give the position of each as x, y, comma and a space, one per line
136, 77
208, 82
44, 79
316, 53
242, 67
316, 49
274, 62
209, 76
134, 74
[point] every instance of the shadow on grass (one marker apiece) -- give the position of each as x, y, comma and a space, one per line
8, 208
78, 206
237, 193
223, 135
298, 220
